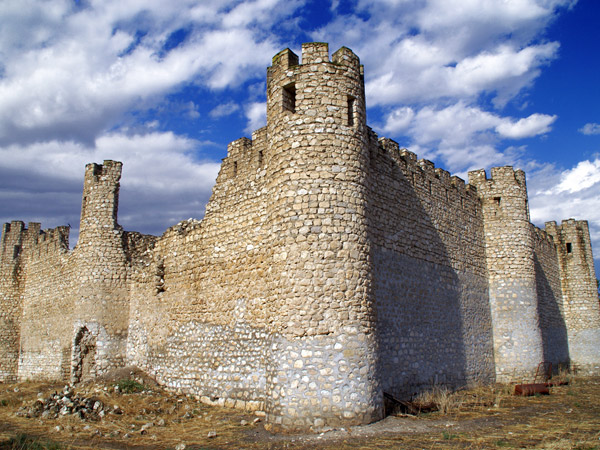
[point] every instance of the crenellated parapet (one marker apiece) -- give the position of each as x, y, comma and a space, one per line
426, 179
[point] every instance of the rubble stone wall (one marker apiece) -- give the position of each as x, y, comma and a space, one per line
46, 343
550, 300
11, 301
431, 291
579, 289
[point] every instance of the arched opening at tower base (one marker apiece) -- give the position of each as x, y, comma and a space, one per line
83, 365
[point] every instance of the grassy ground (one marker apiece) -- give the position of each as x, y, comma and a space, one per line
482, 418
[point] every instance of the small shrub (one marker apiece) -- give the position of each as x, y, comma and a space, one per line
447, 436
129, 386
3, 402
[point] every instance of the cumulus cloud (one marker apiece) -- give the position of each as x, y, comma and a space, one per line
583, 176
256, 113
84, 66
590, 128
159, 169
533, 125
464, 136
98, 80
556, 194
224, 109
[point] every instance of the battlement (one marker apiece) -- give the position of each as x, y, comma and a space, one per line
424, 170
108, 171
17, 239
315, 53
499, 176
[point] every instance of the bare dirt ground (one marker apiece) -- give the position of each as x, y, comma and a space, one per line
482, 418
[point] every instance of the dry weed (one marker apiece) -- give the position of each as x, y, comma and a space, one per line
444, 399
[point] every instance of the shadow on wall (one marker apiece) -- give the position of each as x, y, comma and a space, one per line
552, 323
433, 312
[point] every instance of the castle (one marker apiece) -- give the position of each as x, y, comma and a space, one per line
330, 267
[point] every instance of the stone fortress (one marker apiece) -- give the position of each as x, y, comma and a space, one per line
331, 266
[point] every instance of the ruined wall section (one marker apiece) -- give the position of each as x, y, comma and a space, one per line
47, 307
100, 276
198, 313
579, 289
509, 246
426, 229
550, 299
14, 235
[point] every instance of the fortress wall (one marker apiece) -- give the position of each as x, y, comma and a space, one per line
266, 303
198, 313
550, 301
11, 271
429, 271
46, 344
509, 246
579, 288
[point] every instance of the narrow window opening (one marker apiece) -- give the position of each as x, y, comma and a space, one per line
289, 97
350, 111
260, 158
569, 247
16, 251
429, 186
447, 195
497, 201
235, 168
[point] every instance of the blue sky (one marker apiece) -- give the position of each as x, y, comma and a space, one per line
164, 86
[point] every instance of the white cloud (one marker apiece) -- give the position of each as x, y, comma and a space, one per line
464, 136
256, 113
83, 67
163, 181
533, 125
583, 176
224, 109
590, 128
555, 195
399, 119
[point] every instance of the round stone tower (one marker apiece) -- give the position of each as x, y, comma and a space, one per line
509, 247
101, 312
323, 359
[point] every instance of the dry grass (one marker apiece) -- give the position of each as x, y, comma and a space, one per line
483, 417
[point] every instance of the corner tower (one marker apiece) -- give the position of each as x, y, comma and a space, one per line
580, 295
509, 248
323, 362
101, 312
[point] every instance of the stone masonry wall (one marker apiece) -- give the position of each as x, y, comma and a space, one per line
579, 289
13, 235
198, 314
509, 246
426, 230
550, 299
45, 344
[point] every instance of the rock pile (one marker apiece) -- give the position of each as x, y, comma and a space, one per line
67, 402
